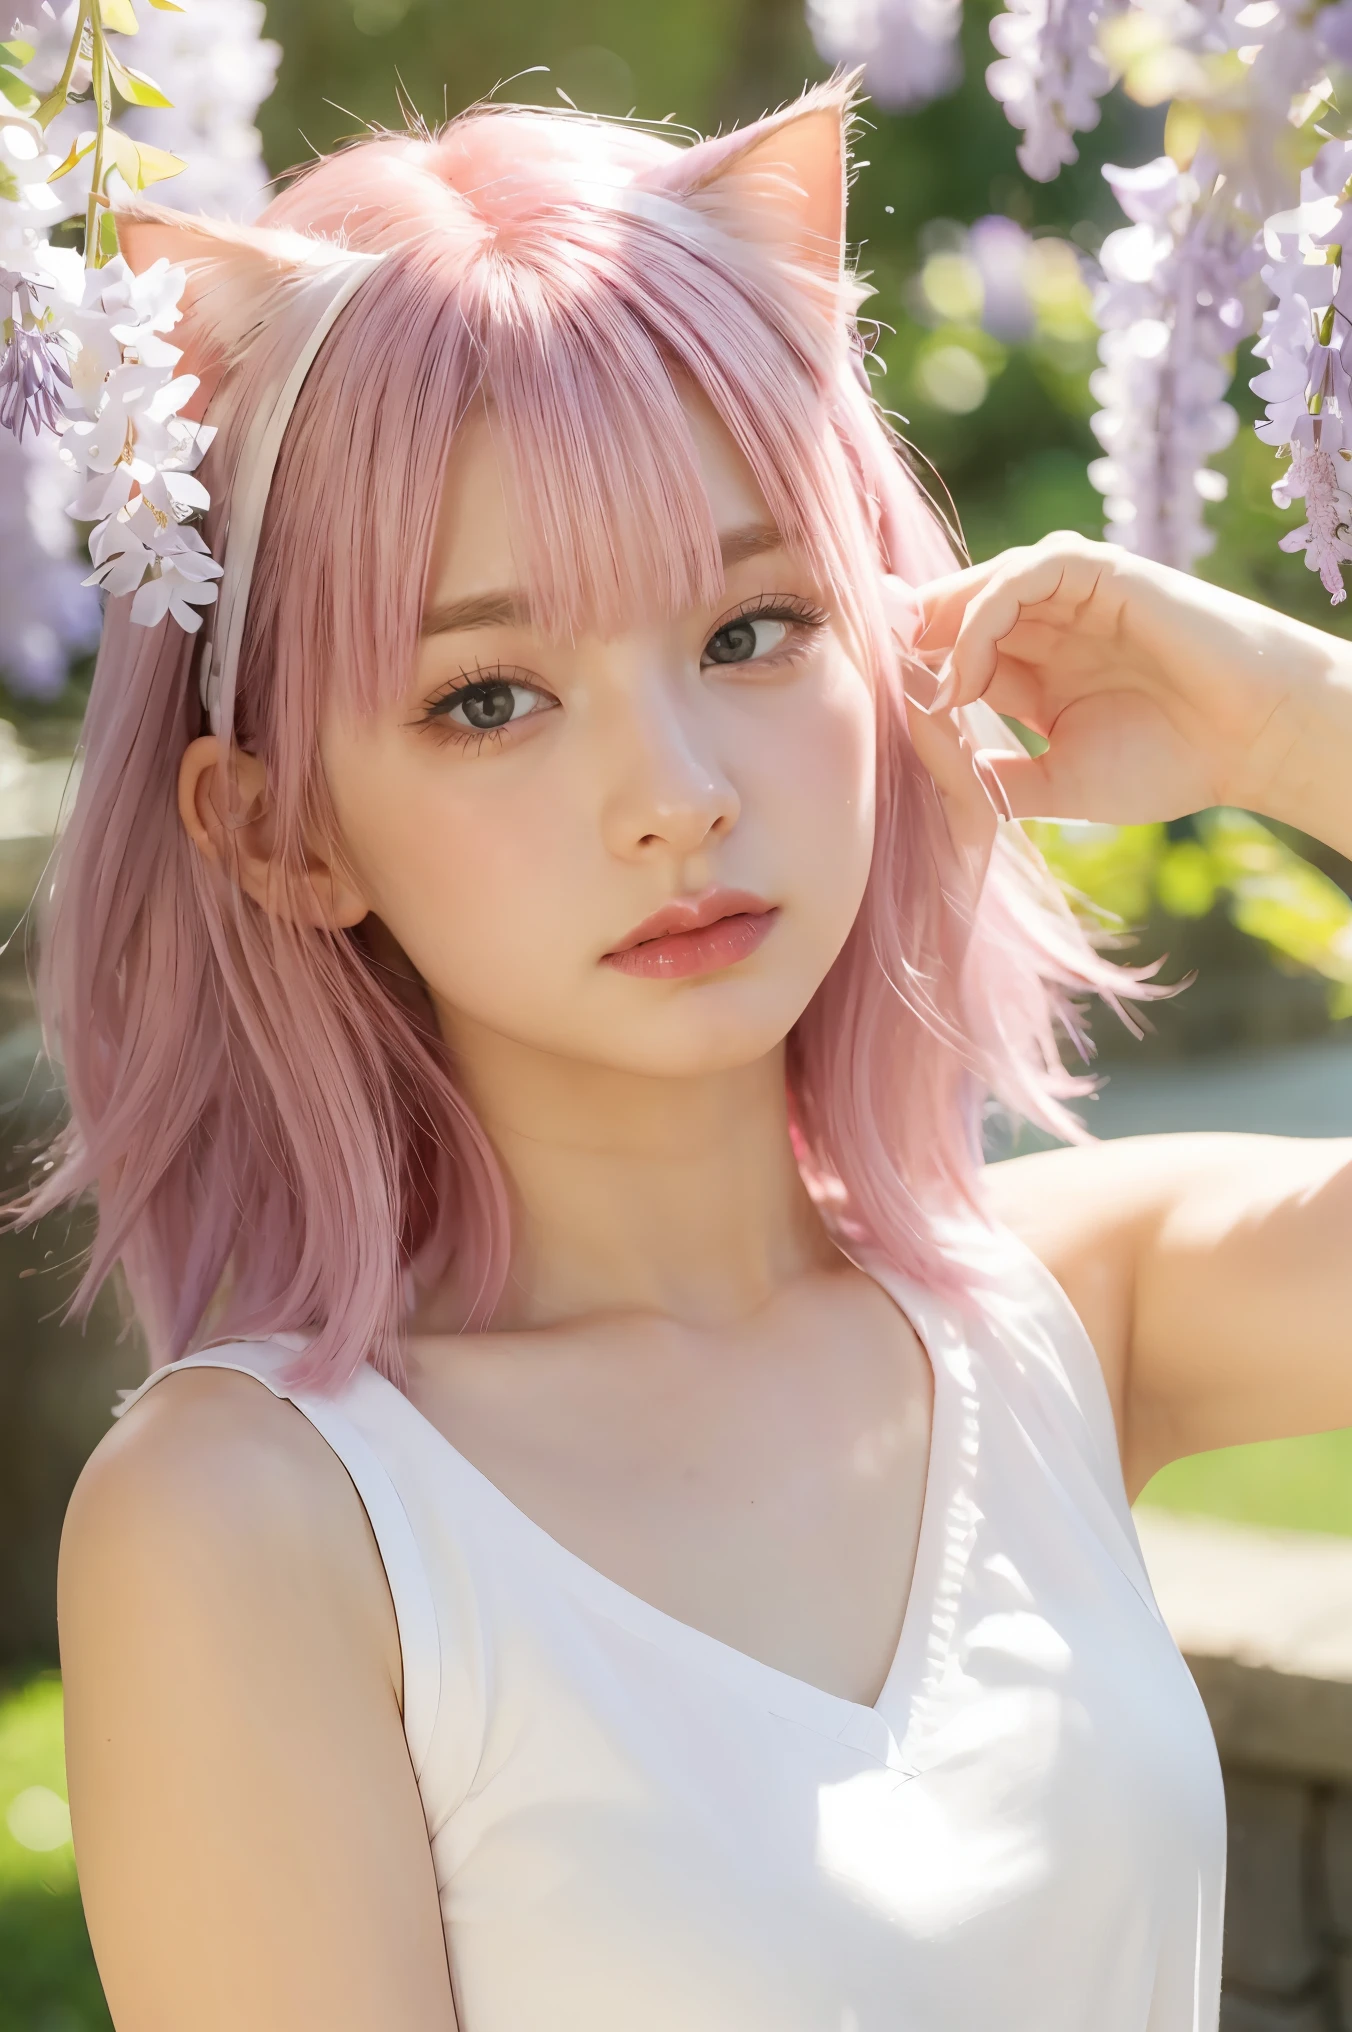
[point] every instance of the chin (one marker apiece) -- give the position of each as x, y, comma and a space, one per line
693, 1042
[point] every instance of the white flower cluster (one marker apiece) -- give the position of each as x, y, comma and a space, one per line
1305, 384
211, 62
134, 452
909, 48
1050, 76
1173, 304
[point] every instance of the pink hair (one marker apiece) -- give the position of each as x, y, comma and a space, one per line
267, 1115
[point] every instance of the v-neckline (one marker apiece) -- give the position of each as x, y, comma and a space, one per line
783, 1693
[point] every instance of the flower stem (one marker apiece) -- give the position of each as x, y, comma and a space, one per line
103, 114
59, 93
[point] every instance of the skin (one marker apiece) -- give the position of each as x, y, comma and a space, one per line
687, 1384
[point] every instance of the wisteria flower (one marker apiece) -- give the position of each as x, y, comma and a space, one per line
1049, 76
909, 48
1324, 536
214, 68
183, 582
167, 567
1171, 306
121, 315
1306, 382
33, 376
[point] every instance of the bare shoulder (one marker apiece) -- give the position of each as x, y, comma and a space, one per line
1080, 1212
252, 1846
212, 1485
1062, 1202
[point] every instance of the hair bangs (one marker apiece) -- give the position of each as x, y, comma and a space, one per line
592, 342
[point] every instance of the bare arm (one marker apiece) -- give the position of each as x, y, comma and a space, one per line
251, 1843
1213, 1274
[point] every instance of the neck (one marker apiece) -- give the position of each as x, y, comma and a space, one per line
678, 1196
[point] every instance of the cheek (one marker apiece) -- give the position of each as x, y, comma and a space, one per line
818, 786
470, 868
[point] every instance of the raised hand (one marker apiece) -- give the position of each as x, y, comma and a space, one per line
1158, 694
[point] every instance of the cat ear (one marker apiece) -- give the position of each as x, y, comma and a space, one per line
237, 278
147, 233
781, 180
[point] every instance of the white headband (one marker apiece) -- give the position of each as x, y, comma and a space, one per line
333, 285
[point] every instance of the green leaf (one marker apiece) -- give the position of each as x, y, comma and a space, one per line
82, 146
17, 53
138, 164
107, 236
135, 87
20, 95
117, 15
52, 105
9, 185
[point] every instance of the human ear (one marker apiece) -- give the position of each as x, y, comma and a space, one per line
224, 803
781, 180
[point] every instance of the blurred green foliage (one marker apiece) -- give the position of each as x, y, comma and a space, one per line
1221, 859
48, 1981
1293, 1484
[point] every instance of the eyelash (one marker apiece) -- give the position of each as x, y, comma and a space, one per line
800, 614
433, 717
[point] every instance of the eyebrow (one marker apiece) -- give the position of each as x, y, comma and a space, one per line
508, 608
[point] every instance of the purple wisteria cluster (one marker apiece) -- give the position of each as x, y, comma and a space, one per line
1174, 300
1184, 284
1050, 76
1305, 383
909, 48
34, 371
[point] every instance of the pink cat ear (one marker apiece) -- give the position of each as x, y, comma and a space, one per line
781, 181
148, 232
235, 278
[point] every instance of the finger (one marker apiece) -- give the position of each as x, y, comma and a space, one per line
1033, 579
940, 604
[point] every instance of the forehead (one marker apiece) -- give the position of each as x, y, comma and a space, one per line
482, 544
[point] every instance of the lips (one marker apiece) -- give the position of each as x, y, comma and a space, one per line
695, 935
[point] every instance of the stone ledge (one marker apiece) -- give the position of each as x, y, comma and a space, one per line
1264, 1619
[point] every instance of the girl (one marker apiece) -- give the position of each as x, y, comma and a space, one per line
622, 1533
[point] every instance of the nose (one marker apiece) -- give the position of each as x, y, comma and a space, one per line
666, 793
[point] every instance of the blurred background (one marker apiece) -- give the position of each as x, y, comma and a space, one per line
985, 342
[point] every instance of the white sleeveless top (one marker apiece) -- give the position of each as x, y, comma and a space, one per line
638, 1828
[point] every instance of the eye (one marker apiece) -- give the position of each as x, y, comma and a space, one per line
746, 639
771, 631
487, 704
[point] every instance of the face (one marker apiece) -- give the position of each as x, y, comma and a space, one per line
642, 852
